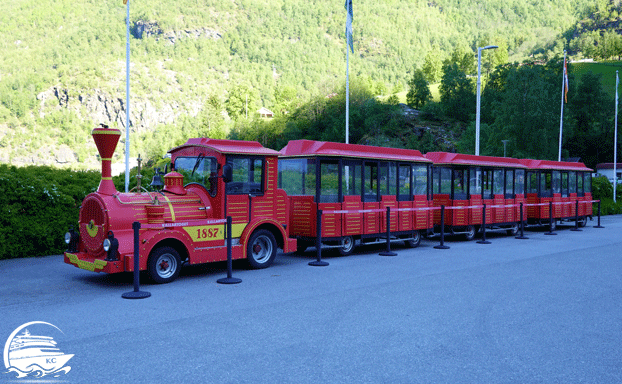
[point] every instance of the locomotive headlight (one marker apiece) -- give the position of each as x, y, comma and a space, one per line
106, 245
111, 245
72, 238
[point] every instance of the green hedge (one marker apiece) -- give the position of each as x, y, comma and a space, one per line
39, 205
602, 190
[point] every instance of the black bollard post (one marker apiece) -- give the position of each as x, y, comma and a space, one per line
318, 243
550, 232
522, 225
576, 217
229, 279
483, 240
136, 294
599, 226
388, 251
442, 244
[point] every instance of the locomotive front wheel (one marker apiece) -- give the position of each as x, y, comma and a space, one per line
415, 241
470, 233
164, 265
261, 249
582, 221
347, 246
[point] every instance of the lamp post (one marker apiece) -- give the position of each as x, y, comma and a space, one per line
479, 84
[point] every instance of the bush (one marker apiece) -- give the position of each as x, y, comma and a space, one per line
41, 203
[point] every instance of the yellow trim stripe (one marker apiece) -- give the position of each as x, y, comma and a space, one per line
83, 264
106, 178
170, 206
105, 158
106, 132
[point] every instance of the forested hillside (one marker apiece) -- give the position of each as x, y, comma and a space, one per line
196, 63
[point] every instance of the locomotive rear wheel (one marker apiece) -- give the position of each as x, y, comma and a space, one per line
164, 265
347, 246
261, 249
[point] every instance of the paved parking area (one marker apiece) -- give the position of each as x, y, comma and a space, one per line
543, 310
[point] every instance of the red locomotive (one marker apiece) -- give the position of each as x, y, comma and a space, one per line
185, 220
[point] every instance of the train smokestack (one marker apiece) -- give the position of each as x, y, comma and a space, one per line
106, 140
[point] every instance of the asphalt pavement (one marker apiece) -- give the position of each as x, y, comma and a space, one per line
542, 310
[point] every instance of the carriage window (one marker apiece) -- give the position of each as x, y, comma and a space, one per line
445, 180
546, 184
460, 184
532, 182
572, 182
329, 182
370, 187
247, 175
475, 183
587, 183
202, 170
557, 182
388, 179
580, 184
351, 179
564, 184
404, 182
487, 184
297, 177
436, 180
519, 182
420, 180
498, 182
509, 184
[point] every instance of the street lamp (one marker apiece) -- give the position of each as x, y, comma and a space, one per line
479, 84
505, 143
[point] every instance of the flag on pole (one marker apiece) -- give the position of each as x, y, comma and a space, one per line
565, 82
348, 7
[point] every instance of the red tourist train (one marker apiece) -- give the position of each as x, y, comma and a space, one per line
274, 199
353, 185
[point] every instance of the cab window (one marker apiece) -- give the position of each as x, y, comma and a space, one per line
199, 169
248, 175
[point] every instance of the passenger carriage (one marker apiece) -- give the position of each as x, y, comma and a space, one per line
353, 185
563, 184
460, 180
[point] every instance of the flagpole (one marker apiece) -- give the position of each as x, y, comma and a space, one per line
127, 97
561, 116
615, 144
349, 44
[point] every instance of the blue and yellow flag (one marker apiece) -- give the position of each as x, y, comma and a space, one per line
348, 7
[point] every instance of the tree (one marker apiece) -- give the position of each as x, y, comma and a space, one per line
242, 99
457, 93
590, 111
419, 91
432, 65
